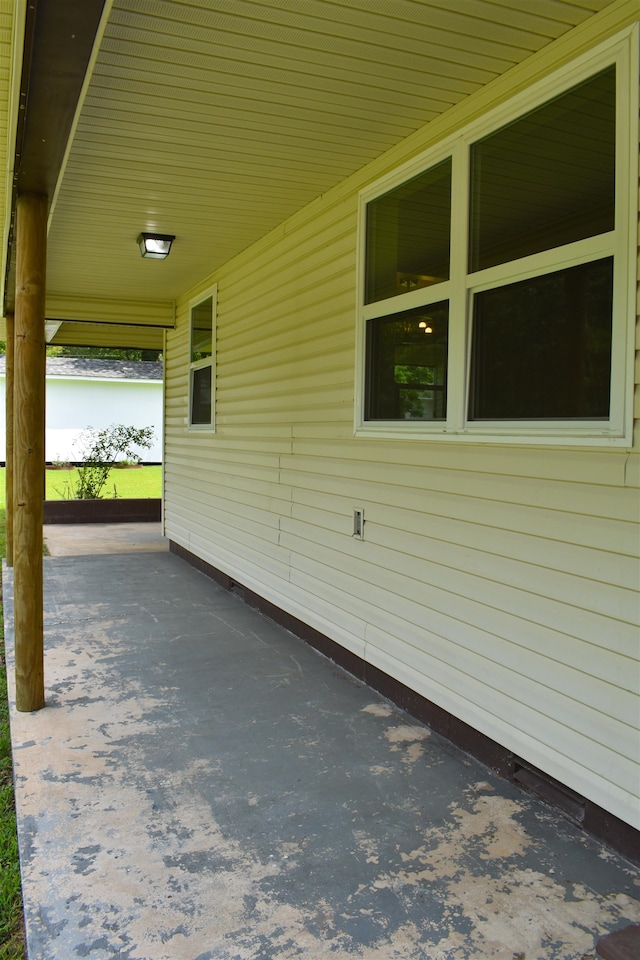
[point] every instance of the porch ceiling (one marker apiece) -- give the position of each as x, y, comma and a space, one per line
215, 120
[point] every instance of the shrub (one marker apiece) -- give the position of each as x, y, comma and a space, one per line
101, 449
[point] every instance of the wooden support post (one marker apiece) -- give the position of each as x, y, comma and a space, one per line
28, 408
9, 445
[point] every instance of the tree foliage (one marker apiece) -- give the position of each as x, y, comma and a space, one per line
104, 353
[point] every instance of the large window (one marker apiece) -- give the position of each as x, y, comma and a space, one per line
495, 293
202, 369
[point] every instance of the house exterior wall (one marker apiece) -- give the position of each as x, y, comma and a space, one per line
498, 581
73, 404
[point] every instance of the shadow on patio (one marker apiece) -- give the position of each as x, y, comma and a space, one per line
201, 784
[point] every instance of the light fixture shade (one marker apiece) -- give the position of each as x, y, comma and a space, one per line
155, 246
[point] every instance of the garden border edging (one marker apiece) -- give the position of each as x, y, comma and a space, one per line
119, 510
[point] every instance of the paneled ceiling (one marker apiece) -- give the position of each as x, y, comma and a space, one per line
215, 120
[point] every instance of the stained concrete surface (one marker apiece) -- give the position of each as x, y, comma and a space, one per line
77, 539
201, 784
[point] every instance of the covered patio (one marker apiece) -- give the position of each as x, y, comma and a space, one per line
202, 784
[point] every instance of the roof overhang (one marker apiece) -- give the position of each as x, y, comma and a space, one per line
58, 40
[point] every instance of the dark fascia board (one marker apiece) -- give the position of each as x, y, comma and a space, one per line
58, 42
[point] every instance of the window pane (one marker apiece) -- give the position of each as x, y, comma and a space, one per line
542, 347
201, 395
547, 179
408, 233
407, 365
202, 330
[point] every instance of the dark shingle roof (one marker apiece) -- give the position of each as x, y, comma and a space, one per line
100, 369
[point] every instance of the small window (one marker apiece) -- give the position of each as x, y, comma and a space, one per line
408, 365
202, 385
202, 330
548, 179
408, 231
201, 396
542, 347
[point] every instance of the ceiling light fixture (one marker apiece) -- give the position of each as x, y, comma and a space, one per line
155, 246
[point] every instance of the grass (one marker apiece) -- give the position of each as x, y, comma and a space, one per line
142, 483
12, 944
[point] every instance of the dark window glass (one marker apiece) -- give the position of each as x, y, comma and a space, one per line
542, 347
201, 395
407, 365
408, 232
202, 330
547, 179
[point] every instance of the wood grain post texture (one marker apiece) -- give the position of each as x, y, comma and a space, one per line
29, 433
9, 432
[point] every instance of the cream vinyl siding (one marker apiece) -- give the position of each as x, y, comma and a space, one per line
501, 582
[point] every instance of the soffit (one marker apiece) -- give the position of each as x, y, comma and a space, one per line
114, 335
7, 10
215, 121
80, 334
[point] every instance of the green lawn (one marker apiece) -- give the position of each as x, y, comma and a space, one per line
142, 483
11, 925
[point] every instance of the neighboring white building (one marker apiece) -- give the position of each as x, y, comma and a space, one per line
95, 393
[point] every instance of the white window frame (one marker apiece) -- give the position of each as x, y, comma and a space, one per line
621, 243
212, 293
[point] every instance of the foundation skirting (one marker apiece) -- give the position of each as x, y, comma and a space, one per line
120, 510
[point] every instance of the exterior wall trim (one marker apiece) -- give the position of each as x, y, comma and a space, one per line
592, 818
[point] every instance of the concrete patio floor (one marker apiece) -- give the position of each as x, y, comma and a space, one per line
201, 784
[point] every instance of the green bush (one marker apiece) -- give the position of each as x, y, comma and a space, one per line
101, 449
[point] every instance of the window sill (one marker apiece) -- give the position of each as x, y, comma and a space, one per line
200, 428
588, 437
